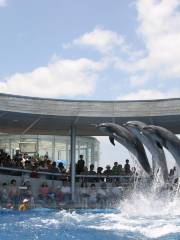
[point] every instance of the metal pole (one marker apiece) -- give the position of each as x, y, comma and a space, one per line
73, 161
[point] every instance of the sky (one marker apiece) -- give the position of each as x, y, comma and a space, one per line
97, 50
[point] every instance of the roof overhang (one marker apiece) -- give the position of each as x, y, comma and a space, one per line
28, 115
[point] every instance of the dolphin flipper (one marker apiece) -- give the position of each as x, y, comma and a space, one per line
111, 139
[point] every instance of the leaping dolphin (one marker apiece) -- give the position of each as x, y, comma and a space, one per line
167, 139
154, 147
128, 140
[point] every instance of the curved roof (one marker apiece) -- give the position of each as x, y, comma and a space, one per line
30, 115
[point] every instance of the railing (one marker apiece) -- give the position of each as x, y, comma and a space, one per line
108, 192
7, 171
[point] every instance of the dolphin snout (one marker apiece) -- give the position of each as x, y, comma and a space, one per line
148, 128
94, 125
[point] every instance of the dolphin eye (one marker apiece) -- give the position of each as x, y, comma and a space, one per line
159, 145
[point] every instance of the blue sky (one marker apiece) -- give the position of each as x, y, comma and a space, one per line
89, 49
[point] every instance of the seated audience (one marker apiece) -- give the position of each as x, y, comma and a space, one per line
66, 192
14, 193
102, 195
44, 192
4, 197
92, 199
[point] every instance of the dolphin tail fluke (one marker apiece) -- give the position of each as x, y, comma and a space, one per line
111, 139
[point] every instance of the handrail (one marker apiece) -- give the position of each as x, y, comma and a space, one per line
67, 174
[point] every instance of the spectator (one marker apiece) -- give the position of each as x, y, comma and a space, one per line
4, 194
102, 195
61, 168
42, 166
91, 172
43, 192
120, 169
34, 173
115, 169
84, 180
53, 169
58, 195
80, 165
92, 199
127, 168
66, 192
116, 193
24, 205
14, 193
99, 173
108, 172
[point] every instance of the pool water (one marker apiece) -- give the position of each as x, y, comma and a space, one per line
140, 219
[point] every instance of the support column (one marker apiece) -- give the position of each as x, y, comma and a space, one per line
53, 148
73, 162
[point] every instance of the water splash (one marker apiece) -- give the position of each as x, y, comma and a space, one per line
150, 211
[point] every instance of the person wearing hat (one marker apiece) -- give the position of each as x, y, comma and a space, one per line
24, 205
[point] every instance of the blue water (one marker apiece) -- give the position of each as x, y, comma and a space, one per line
136, 222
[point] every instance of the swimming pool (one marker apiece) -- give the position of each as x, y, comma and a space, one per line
139, 218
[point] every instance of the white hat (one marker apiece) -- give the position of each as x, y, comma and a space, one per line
25, 200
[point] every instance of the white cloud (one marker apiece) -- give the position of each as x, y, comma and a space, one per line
100, 39
159, 29
61, 78
145, 94
3, 3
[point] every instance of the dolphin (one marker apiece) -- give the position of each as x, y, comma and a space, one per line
167, 139
128, 140
154, 146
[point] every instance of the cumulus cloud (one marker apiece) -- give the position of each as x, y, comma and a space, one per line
61, 78
3, 3
101, 39
159, 28
144, 94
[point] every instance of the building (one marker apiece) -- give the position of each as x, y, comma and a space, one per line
56, 147
25, 116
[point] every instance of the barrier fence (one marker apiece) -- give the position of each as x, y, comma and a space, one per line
48, 189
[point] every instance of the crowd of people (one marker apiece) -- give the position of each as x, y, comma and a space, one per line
20, 196
12, 194
96, 186
37, 165
93, 187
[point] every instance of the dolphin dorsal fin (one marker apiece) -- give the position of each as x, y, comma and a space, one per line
111, 139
